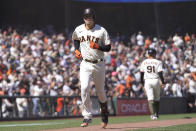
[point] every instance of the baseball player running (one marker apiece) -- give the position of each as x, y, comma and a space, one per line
91, 41
151, 71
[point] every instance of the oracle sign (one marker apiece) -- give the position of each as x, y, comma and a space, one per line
132, 107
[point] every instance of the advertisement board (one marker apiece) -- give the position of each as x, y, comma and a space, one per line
132, 107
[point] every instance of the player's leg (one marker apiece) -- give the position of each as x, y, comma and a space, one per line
152, 107
157, 97
157, 108
85, 76
99, 80
104, 114
150, 95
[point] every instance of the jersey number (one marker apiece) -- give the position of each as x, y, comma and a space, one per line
150, 69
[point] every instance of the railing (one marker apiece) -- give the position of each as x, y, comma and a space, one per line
44, 107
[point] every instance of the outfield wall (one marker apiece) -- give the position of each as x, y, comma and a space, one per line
173, 105
168, 105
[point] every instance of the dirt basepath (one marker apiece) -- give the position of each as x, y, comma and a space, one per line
128, 126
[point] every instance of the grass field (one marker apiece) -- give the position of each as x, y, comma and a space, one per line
186, 127
68, 123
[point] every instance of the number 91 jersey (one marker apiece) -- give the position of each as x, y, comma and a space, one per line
151, 67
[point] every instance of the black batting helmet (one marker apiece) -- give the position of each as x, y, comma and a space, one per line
89, 12
151, 52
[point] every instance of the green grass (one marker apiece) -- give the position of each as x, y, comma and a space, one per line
185, 127
68, 123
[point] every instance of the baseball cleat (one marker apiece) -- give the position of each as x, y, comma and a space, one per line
85, 122
153, 117
84, 125
103, 125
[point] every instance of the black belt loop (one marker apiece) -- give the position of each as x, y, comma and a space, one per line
93, 61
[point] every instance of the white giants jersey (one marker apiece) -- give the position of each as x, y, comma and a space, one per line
97, 35
151, 67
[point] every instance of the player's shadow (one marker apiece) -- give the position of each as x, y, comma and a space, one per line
187, 117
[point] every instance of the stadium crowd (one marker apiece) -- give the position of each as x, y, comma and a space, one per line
36, 64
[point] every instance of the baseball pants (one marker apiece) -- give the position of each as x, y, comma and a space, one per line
88, 72
152, 88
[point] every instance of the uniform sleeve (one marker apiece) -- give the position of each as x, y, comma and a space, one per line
106, 38
75, 36
160, 67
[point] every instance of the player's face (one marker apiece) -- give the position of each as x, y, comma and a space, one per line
88, 19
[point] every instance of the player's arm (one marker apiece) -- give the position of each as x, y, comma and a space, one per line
77, 52
105, 48
141, 68
76, 45
161, 77
160, 73
142, 78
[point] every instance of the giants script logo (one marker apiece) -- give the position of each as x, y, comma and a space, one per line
139, 107
89, 38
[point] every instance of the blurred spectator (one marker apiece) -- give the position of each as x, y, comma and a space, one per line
36, 90
133, 39
1, 100
7, 106
129, 82
67, 91
177, 89
120, 89
140, 39
138, 91
191, 93
22, 104
187, 38
77, 107
59, 107
168, 90
147, 42
178, 41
